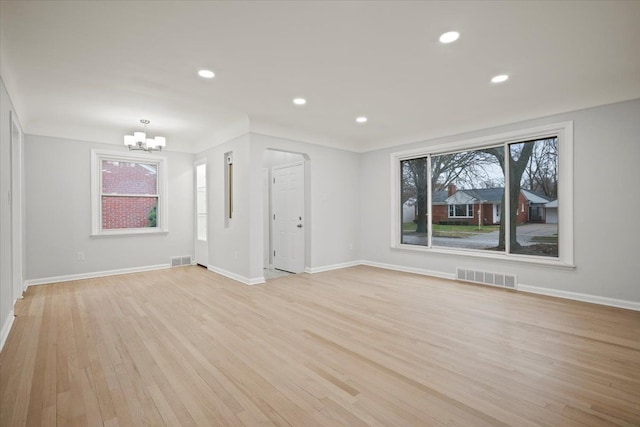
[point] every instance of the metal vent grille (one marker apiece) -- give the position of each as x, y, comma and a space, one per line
487, 278
178, 261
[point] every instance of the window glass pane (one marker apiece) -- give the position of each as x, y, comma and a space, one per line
129, 177
201, 201
534, 197
128, 212
414, 202
467, 189
201, 176
202, 227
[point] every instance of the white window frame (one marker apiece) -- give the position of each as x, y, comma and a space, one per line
97, 156
562, 130
469, 211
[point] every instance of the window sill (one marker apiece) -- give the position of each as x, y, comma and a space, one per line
472, 253
127, 233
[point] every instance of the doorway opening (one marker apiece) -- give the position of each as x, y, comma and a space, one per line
201, 234
285, 213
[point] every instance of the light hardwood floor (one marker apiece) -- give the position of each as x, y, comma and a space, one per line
359, 346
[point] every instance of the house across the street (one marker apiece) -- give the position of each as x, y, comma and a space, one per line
463, 206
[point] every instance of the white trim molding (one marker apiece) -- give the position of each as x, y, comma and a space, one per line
92, 275
413, 270
314, 270
237, 277
594, 299
6, 328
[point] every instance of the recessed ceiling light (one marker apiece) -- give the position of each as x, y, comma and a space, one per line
500, 78
299, 101
206, 74
449, 37
361, 119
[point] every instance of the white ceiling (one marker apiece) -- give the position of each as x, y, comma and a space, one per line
92, 70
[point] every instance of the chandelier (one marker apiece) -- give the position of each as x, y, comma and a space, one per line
140, 141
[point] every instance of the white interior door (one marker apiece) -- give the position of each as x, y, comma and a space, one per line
288, 217
201, 243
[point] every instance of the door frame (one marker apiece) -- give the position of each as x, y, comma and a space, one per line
197, 242
304, 211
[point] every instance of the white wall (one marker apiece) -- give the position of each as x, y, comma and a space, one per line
606, 172
228, 246
8, 293
58, 213
333, 209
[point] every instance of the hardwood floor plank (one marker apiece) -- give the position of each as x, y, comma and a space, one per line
358, 346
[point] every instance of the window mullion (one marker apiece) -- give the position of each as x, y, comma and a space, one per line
429, 202
507, 201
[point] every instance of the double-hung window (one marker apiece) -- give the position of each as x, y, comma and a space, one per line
128, 193
507, 195
460, 211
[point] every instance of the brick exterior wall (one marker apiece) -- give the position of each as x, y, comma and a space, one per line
439, 213
127, 178
126, 212
523, 217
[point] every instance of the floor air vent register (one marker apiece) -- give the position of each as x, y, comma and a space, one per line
178, 261
487, 278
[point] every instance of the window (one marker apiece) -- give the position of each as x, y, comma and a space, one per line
128, 193
489, 196
460, 211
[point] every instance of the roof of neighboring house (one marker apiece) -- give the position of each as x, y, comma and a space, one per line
552, 204
486, 195
439, 196
494, 195
535, 197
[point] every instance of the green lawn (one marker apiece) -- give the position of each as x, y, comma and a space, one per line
545, 239
409, 226
465, 228
453, 230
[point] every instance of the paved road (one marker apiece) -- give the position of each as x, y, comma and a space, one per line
486, 240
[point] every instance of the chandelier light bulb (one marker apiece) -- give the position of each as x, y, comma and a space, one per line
139, 141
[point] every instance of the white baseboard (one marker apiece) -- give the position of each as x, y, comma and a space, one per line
414, 270
6, 328
595, 299
236, 277
313, 270
613, 302
70, 277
